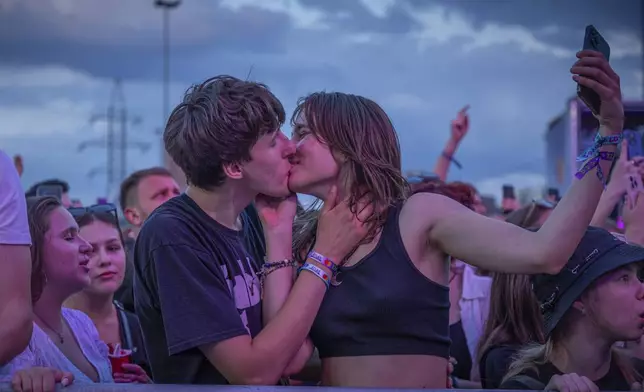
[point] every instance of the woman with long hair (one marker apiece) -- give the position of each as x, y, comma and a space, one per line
116, 326
65, 344
513, 321
385, 319
514, 318
595, 301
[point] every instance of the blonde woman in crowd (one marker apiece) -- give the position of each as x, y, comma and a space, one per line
595, 301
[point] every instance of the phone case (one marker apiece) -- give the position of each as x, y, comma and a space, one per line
635, 186
593, 41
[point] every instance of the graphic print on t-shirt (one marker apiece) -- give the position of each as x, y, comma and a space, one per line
244, 287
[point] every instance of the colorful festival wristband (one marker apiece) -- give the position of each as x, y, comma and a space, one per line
325, 261
452, 159
593, 156
317, 271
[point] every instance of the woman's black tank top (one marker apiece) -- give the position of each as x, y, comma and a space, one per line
384, 306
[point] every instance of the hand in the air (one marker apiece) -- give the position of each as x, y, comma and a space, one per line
460, 125
593, 71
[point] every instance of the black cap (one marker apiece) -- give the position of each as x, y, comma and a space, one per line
598, 253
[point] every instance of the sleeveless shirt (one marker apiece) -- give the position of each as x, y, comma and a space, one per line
384, 305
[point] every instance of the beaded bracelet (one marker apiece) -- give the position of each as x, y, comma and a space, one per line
592, 155
315, 270
269, 268
325, 261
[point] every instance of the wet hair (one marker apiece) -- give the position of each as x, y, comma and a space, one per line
359, 131
128, 195
38, 211
217, 124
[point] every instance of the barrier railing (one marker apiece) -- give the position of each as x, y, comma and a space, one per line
212, 388
224, 388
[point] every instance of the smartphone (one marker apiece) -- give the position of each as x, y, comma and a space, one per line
635, 186
593, 41
553, 194
634, 139
50, 190
508, 192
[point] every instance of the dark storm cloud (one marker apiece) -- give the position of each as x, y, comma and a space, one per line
574, 14
353, 16
513, 93
85, 171
25, 41
558, 23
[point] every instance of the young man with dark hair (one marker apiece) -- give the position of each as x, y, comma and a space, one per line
197, 293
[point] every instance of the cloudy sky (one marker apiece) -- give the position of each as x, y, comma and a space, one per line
421, 60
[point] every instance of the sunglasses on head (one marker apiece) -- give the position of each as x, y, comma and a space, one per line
95, 209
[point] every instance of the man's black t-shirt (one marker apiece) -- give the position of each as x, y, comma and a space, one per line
614, 380
195, 284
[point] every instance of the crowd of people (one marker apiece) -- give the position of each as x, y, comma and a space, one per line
392, 282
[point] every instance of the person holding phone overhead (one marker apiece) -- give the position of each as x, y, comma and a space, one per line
397, 278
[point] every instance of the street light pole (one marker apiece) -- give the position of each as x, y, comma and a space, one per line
166, 6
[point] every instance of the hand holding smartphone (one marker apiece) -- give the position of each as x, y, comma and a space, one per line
509, 202
553, 195
593, 41
508, 192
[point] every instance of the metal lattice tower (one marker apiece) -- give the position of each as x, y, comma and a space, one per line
116, 141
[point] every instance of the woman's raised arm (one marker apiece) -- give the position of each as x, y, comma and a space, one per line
500, 246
